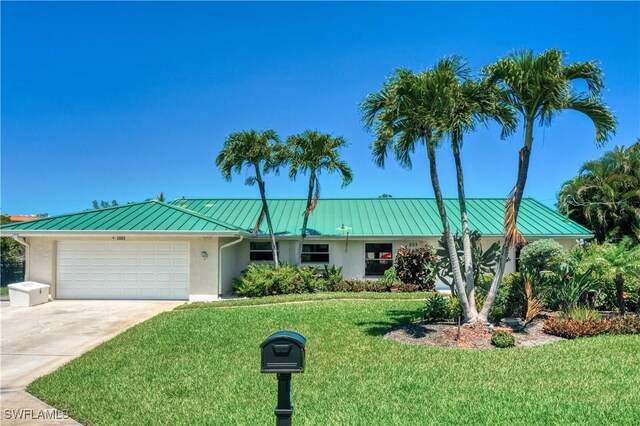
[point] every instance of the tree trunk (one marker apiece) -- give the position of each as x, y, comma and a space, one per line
267, 215
619, 281
466, 237
518, 190
468, 311
305, 220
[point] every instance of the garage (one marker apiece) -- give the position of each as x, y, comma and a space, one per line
112, 269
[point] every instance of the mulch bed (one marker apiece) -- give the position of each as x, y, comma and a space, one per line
445, 335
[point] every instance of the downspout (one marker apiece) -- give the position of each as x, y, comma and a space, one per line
220, 263
27, 249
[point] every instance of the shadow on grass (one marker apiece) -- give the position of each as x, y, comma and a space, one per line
394, 318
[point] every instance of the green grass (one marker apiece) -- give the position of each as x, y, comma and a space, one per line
4, 291
306, 297
201, 366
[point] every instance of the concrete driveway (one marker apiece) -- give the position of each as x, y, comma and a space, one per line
37, 340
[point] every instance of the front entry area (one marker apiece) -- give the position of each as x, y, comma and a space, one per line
95, 269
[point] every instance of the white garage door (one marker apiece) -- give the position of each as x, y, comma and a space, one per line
122, 270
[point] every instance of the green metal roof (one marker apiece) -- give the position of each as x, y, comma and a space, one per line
386, 216
148, 216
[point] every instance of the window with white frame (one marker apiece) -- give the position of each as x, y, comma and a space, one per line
315, 253
261, 251
378, 258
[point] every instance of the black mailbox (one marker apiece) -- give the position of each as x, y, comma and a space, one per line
283, 352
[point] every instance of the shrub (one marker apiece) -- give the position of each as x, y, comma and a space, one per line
417, 266
502, 339
390, 279
358, 285
332, 275
541, 255
581, 314
265, 280
510, 301
408, 288
568, 288
436, 308
570, 328
455, 308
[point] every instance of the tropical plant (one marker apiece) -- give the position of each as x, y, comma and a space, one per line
605, 196
312, 153
568, 288
539, 87
616, 262
416, 266
484, 261
260, 153
581, 314
422, 109
103, 204
332, 275
436, 308
541, 255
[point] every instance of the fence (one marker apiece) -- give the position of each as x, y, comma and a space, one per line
11, 272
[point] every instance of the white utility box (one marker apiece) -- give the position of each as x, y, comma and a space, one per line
28, 293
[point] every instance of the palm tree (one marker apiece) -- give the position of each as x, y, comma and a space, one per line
605, 195
259, 153
408, 112
538, 88
472, 103
312, 152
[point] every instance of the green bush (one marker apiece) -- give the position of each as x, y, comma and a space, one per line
408, 288
455, 308
332, 275
417, 266
264, 280
542, 255
436, 308
510, 301
358, 285
502, 339
581, 314
390, 278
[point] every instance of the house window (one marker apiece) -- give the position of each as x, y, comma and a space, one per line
261, 250
378, 258
315, 253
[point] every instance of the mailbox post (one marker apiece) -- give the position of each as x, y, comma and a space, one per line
283, 353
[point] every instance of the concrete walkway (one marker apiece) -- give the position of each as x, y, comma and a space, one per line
37, 340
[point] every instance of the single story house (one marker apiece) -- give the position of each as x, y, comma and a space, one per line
191, 249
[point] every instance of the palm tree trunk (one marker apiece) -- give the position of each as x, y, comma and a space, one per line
305, 220
466, 237
267, 215
512, 235
468, 311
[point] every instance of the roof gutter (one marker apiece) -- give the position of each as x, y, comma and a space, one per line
234, 242
109, 233
27, 249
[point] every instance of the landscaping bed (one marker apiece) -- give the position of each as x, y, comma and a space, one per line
445, 335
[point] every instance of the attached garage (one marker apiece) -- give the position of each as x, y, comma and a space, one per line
122, 270
149, 250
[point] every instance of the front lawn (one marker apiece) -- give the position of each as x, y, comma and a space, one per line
201, 366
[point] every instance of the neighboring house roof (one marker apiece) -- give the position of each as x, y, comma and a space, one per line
24, 217
146, 217
386, 216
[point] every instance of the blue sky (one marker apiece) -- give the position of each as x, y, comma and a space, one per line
124, 100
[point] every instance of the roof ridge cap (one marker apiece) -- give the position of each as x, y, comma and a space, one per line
199, 215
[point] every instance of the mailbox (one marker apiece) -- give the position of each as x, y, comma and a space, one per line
283, 352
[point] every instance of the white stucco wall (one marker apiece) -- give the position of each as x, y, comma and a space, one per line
203, 273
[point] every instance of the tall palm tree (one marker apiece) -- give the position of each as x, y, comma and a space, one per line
472, 103
311, 153
408, 112
538, 88
605, 196
259, 153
